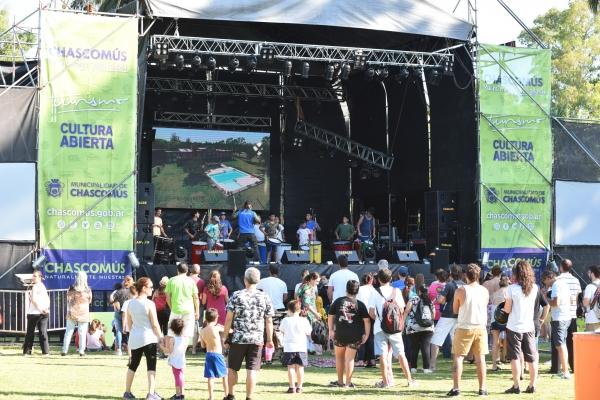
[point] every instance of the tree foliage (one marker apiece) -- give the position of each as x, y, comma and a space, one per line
573, 35
9, 47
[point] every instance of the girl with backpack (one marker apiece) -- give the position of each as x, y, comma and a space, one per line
419, 315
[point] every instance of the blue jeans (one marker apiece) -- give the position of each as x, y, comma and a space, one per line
118, 324
82, 328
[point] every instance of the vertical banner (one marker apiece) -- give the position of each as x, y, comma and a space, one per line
515, 155
87, 141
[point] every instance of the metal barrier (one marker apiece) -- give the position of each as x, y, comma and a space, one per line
14, 305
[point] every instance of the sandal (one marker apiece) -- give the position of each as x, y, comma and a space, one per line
291, 390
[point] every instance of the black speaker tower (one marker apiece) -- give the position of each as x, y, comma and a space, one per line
441, 227
144, 240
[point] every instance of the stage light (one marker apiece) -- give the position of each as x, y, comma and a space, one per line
369, 74
179, 62
162, 64
353, 163
376, 172
161, 51
287, 69
360, 60
251, 64
133, 260
364, 174
329, 71
345, 72
196, 63
305, 69
267, 54
402, 74
211, 64
382, 73
434, 77
233, 64
449, 67
39, 262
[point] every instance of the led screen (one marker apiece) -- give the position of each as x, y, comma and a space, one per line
17, 199
577, 213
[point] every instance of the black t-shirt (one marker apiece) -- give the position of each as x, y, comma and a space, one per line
540, 301
448, 294
348, 319
122, 295
192, 226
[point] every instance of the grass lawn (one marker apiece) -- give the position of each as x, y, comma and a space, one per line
102, 376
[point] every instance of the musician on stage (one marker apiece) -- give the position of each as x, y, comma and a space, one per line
157, 226
344, 231
246, 218
193, 226
225, 228
280, 230
271, 230
313, 225
212, 231
365, 228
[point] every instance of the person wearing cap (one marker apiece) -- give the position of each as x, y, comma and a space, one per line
225, 228
400, 282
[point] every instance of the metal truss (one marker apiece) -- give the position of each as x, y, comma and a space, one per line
244, 89
345, 145
211, 121
304, 52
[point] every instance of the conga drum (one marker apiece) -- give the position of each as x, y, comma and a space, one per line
218, 246
228, 244
197, 249
315, 252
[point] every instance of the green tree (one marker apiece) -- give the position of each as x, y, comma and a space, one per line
9, 47
594, 5
573, 35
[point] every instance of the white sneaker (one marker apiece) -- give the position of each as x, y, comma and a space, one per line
412, 383
119, 352
413, 370
427, 371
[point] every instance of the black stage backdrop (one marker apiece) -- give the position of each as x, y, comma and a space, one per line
18, 125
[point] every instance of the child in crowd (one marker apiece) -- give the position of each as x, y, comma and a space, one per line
95, 336
175, 347
295, 329
214, 364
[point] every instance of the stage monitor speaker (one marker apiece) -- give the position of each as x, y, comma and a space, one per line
407, 256
215, 256
352, 256
414, 269
236, 263
296, 256
440, 260
145, 203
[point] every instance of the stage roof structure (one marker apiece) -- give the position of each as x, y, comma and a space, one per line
399, 16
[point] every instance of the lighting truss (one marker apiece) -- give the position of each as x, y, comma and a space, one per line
304, 52
211, 121
345, 145
247, 89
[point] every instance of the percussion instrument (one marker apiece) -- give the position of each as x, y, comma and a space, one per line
262, 252
274, 241
304, 247
218, 246
315, 251
228, 244
280, 250
342, 245
197, 248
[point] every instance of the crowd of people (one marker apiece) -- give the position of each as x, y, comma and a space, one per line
382, 320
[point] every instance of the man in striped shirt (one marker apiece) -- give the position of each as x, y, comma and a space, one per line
575, 288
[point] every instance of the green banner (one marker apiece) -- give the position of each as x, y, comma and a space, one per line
87, 141
515, 149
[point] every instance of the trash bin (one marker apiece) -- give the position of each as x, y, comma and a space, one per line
587, 365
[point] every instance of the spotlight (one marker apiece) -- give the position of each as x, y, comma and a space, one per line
179, 62
211, 64
329, 71
382, 73
345, 72
162, 64
233, 64
305, 69
39, 262
251, 64
196, 63
434, 77
402, 74
133, 260
449, 67
369, 74
360, 60
287, 69
161, 51
267, 54
364, 174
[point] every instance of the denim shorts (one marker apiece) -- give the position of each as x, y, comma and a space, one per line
559, 332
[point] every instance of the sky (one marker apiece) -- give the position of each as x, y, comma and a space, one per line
495, 26
208, 136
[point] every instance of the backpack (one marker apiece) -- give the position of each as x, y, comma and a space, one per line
392, 317
595, 303
424, 314
319, 334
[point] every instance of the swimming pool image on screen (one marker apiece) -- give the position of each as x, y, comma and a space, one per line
231, 180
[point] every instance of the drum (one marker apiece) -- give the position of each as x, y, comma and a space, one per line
342, 246
262, 252
304, 247
315, 252
197, 248
274, 241
368, 250
356, 245
228, 244
218, 246
280, 250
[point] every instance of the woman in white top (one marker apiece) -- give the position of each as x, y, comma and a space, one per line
95, 336
37, 315
144, 335
520, 330
366, 352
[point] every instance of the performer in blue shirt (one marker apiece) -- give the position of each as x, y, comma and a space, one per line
313, 225
246, 218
